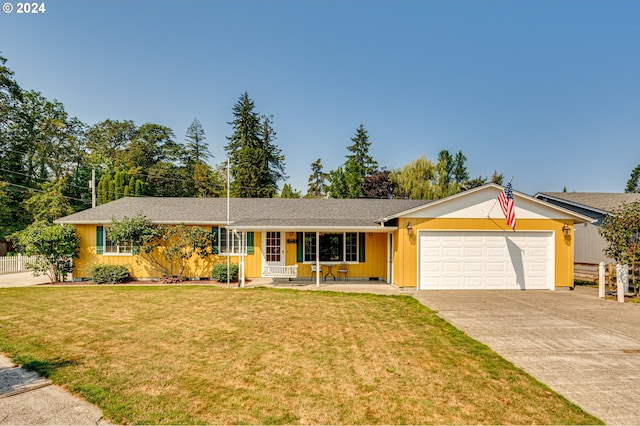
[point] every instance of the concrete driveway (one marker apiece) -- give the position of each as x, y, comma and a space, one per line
584, 348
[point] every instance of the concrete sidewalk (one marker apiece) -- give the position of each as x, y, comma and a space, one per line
28, 399
21, 279
584, 348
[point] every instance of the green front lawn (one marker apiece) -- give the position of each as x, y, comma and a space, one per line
195, 354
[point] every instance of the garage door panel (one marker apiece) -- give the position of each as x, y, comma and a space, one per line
495, 267
473, 267
452, 251
485, 260
495, 252
472, 251
451, 267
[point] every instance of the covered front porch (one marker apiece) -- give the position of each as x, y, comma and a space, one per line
327, 255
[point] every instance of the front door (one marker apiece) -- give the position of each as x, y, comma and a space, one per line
273, 250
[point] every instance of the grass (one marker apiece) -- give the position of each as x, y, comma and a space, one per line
194, 354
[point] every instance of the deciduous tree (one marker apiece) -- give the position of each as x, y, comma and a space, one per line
175, 244
54, 247
415, 180
48, 203
378, 185
621, 230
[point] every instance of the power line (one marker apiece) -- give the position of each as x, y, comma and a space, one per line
38, 178
41, 191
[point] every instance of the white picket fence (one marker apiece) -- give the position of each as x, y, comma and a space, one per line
13, 264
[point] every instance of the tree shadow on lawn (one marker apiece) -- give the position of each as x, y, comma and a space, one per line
43, 368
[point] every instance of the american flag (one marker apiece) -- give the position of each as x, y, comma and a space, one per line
508, 208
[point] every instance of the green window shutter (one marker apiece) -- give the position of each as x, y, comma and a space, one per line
361, 245
99, 239
215, 232
299, 247
250, 249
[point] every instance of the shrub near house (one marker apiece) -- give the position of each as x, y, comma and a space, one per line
109, 274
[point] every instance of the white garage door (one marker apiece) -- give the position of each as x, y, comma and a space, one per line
485, 260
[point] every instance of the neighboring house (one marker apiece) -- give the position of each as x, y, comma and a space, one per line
459, 242
589, 245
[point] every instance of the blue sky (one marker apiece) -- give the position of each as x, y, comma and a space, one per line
545, 91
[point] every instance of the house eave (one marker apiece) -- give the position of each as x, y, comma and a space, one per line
572, 203
315, 228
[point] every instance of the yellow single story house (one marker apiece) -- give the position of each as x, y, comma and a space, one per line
459, 242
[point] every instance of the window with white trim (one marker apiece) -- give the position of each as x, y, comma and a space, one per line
240, 243
110, 247
334, 246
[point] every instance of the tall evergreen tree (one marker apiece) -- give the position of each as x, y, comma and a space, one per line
317, 181
633, 184
459, 171
206, 182
272, 166
347, 181
256, 162
359, 163
497, 178
289, 192
337, 184
196, 149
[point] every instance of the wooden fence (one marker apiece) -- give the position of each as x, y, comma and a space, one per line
13, 264
589, 272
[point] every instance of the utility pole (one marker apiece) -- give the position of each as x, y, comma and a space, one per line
92, 186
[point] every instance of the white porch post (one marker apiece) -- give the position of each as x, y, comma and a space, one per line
601, 280
243, 246
619, 284
317, 259
389, 258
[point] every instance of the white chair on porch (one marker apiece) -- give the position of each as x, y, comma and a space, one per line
343, 269
315, 268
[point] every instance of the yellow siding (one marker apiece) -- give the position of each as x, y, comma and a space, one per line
406, 251
140, 268
375, 264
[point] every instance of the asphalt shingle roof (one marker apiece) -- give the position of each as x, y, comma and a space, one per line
259, 212
605, 201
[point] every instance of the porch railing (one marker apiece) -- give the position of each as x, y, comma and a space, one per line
281, 271
13, 264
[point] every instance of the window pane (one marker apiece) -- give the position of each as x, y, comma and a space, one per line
351, 247
234, 242
309, 246
111, 247
331, 247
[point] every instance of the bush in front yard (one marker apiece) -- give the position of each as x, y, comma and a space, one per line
109, 274
219, 272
